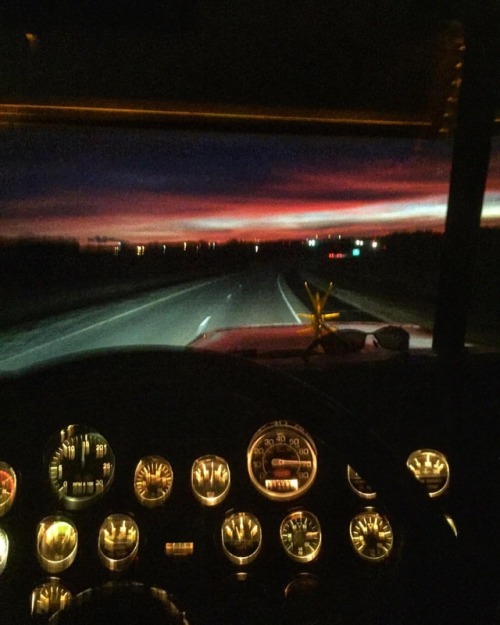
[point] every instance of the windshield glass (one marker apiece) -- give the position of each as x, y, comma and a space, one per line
115, 236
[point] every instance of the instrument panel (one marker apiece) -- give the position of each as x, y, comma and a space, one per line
285, 507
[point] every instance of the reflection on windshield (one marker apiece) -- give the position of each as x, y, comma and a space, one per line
128, 237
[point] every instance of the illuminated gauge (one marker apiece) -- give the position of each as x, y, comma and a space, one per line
153, 481
49, 597
452, 524
56, 543
8, 487
431, 468
4, 550
371, 535
210, 480
282, 460
359, 485
300, 534
241, 537
118, 542
81, 467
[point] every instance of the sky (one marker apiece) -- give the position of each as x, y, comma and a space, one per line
142, 186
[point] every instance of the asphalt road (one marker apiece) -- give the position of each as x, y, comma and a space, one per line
167, 316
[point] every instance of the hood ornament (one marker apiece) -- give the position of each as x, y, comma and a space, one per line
318, 319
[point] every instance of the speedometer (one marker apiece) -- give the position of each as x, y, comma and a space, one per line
282, 460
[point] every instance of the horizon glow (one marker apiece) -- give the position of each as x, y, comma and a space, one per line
144, 186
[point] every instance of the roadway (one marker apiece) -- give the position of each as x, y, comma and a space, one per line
166, 316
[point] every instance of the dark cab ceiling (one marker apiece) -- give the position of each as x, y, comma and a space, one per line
390, 56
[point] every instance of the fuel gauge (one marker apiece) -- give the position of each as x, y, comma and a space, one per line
210, 480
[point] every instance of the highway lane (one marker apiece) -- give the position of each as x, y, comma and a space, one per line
168, 316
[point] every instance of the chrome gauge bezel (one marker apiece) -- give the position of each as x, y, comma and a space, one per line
81, 466
118, 542
436, 460
8, 487
56, 543
292, 442
241, 536
365, 523
359, 485
210, 480
300, 536
152, 490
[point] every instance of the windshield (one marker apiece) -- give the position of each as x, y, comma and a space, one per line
128, 236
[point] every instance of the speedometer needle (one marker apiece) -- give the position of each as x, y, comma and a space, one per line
282, 462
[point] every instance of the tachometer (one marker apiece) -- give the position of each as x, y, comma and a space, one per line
81, 467
282, 460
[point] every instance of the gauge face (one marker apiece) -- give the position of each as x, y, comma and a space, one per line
210, 480
56, 544
282, 461
8, 487
49, 597
4, 550
431, 468
371, 535
118, 542
241, 537
81, 467
153, 481
359, 485
300, 535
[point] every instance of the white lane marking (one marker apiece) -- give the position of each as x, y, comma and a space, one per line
290, 308
109, 320
203, 324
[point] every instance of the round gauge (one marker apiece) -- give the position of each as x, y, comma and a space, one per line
371, 535
210, 480
241, 537
4, 550
56, 543
431, 468
359, 485
49, 597
153, 481
300, 534
8, 487
81, 467
118, 542
282, 460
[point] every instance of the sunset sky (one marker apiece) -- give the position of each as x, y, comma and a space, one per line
142, 186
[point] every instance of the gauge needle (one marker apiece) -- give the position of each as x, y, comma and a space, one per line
282, 462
